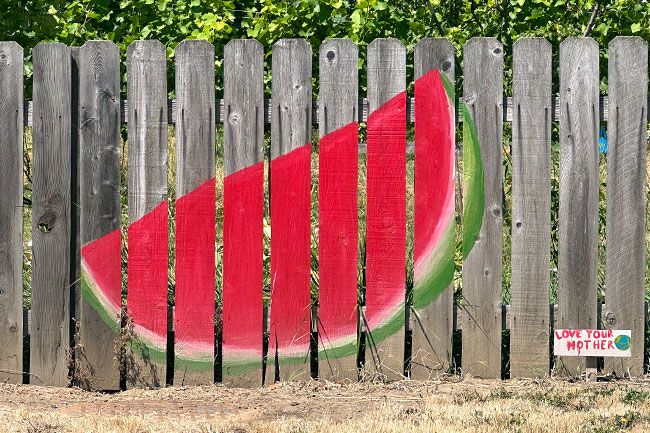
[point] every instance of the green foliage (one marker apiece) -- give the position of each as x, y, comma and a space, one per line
75, 21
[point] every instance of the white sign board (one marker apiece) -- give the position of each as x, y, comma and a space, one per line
592, 342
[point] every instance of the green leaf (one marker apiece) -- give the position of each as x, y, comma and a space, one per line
636, 27
473, 174
356, 18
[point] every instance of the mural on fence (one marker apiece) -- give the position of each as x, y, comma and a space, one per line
147, 291
434, 244
243, 198
195, 278
289, 328
338, 231
101, 280
386, 214
435, 226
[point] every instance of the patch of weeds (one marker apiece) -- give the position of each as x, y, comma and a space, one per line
635, 396
617, 423
516, 420
501, 393
552, 398
605, 391
467, 396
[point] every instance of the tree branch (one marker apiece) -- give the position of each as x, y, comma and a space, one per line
472, 8
592, 19
429, 6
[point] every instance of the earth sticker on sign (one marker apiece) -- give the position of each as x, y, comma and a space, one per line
592, 342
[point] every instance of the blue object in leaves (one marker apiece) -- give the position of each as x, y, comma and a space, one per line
602, 141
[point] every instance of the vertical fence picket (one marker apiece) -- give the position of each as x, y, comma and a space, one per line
386, 210
626, 197
291, 123
11, 212
99, 167
578, 213
483, 93
50, 327
243, 203
435, 227
147, 232
195, 214
531, 207
337, 207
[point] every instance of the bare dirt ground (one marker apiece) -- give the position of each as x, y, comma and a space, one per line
453, 405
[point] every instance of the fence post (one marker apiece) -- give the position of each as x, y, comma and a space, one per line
385, 296
243, 213
194, 347
11, 212
531, 207
338, 210
100, 238
578, 215
147, 231
626, 197
482, 269
291, 125
435, 224
50, 331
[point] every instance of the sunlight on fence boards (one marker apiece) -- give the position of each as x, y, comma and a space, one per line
124, 292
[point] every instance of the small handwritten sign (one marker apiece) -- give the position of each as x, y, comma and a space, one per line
592, 342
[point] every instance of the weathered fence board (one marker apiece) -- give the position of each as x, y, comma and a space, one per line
337, 207
386, 210
100, 239
579, 182
77, 117
483, 90
626, 197
50, 330
435, 227
289, 333
11, 212
147, 231
531, 208
195, 215
243, 201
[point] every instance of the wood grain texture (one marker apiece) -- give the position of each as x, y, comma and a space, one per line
99, 165
11, 212
291, 105
195, 214
531, 208
626, 197
243, 104
50, 327
386, 210
579, 181
432, 327
147, 202
338, 214
483, 92
243, 326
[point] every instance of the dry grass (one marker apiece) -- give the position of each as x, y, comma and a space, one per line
442, 406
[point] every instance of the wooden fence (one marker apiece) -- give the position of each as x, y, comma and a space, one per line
87, 326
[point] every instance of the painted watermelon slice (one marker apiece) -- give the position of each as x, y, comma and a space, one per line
435, 227
147, 288
195, 278
101, 277
435, 222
